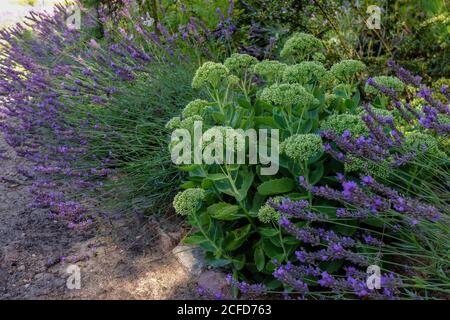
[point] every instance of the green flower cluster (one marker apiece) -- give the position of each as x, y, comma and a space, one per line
270, 70
319, 56
424, 144
338, 123
300, 45
187, 123
230, 138
173, 123
386, 81
240, 63
187, 202
305, 72
437, 85
195, 107
288, 94
377, 111
301, 147
210, 74
346, 69
379, 170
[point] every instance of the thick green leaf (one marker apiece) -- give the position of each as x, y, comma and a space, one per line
268, 232
195, 238
266, 121
258, 201
247, 180
272, 251
316, 174
244, 103
276, 186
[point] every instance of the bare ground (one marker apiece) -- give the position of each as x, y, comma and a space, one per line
118, 260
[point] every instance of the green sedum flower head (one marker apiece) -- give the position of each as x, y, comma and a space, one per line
338, 123
271, 70
319, 56
378, 111
288, 94
195, 107
173, 123
305, 72
210, 74
186, 202
300, 45
267, 214
424, 143
240, 63
388, 82
379, 170
301, 147
347, 69
233, 80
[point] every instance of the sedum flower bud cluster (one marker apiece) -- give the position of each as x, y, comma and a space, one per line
210, 74
187, 201
305, 72
288, 94
301, 147
385, 81
347, 69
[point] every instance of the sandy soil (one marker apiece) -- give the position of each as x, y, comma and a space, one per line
119, 260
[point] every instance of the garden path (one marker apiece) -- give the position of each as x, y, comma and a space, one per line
121, 260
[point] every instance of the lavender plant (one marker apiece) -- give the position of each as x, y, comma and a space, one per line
90, 114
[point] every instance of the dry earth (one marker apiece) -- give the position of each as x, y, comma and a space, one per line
122, 259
